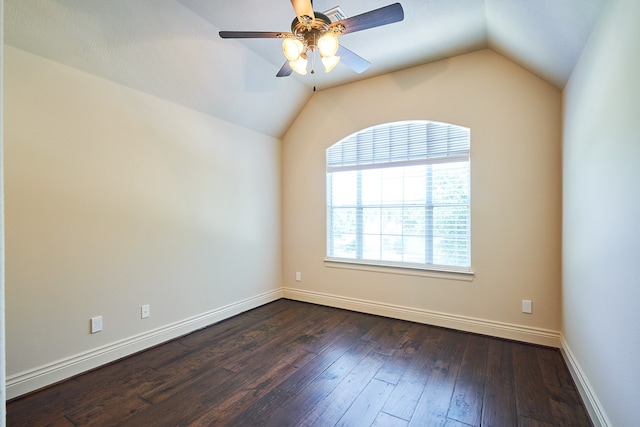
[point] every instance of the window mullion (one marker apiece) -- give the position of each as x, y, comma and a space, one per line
428, 221
330, 238
359, 218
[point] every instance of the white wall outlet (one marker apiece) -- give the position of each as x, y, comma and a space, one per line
298, 276
96, 324
526, 306
145, 311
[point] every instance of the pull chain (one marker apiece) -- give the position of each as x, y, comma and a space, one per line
313, 65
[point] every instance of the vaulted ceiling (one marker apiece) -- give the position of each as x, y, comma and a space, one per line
171, 48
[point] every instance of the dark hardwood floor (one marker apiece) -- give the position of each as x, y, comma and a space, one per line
295, 364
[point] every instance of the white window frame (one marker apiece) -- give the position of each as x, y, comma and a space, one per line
399, 145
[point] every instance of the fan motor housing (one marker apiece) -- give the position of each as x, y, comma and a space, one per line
309, 29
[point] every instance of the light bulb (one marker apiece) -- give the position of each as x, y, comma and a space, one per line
299, 66
330, 63
328, 45
292, 48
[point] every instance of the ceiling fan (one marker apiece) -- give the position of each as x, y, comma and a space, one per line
311, 30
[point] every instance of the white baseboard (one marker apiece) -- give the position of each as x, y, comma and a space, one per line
42, 376
464, 323
596, 412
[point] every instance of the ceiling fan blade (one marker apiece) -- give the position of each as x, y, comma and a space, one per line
303, 8
252, 35
352, 60
374, 18
285, 71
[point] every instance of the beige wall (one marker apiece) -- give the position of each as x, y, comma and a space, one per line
515, 121
2, 299
601, 238
116, 199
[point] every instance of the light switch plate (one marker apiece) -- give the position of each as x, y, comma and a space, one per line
96, 324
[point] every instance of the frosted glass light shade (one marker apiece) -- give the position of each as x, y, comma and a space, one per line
299, 66
292, 48
330, 63
328, 45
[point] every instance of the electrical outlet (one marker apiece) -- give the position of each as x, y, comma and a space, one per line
145, 311
96, 324
298, 276
526, 306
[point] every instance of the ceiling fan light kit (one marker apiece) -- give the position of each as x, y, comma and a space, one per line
310, 33
330, 63
296, 50
328, 45
300, 64
292, 48
307, 35
311, 30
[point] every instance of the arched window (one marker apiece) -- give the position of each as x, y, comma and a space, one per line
399, 194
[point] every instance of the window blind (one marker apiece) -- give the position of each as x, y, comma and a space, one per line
395, 144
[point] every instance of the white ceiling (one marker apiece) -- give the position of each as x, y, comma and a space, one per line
171, 48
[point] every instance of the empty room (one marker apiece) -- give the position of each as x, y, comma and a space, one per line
320, 213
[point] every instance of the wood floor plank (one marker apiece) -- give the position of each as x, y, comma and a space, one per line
385, 420
313, 381
261, 375
530, 422
386, 334
252, 334
401, 357
567, 407
274, 365
499, 404
500, 360
236, 324
436, 396
108, 412
118, 396
176, 377
290, 363
364, 410
466, 403
339, 341
335, 404
206, 357
47, 404
251, 388
59, 422
402, 350
532, 399
296, 333
449, 422
553, 368
304, 399
344, 342
397, 363
193, 400
259, 413
53, 414
406, 394
404, 398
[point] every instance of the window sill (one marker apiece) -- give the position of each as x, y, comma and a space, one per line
437, 273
